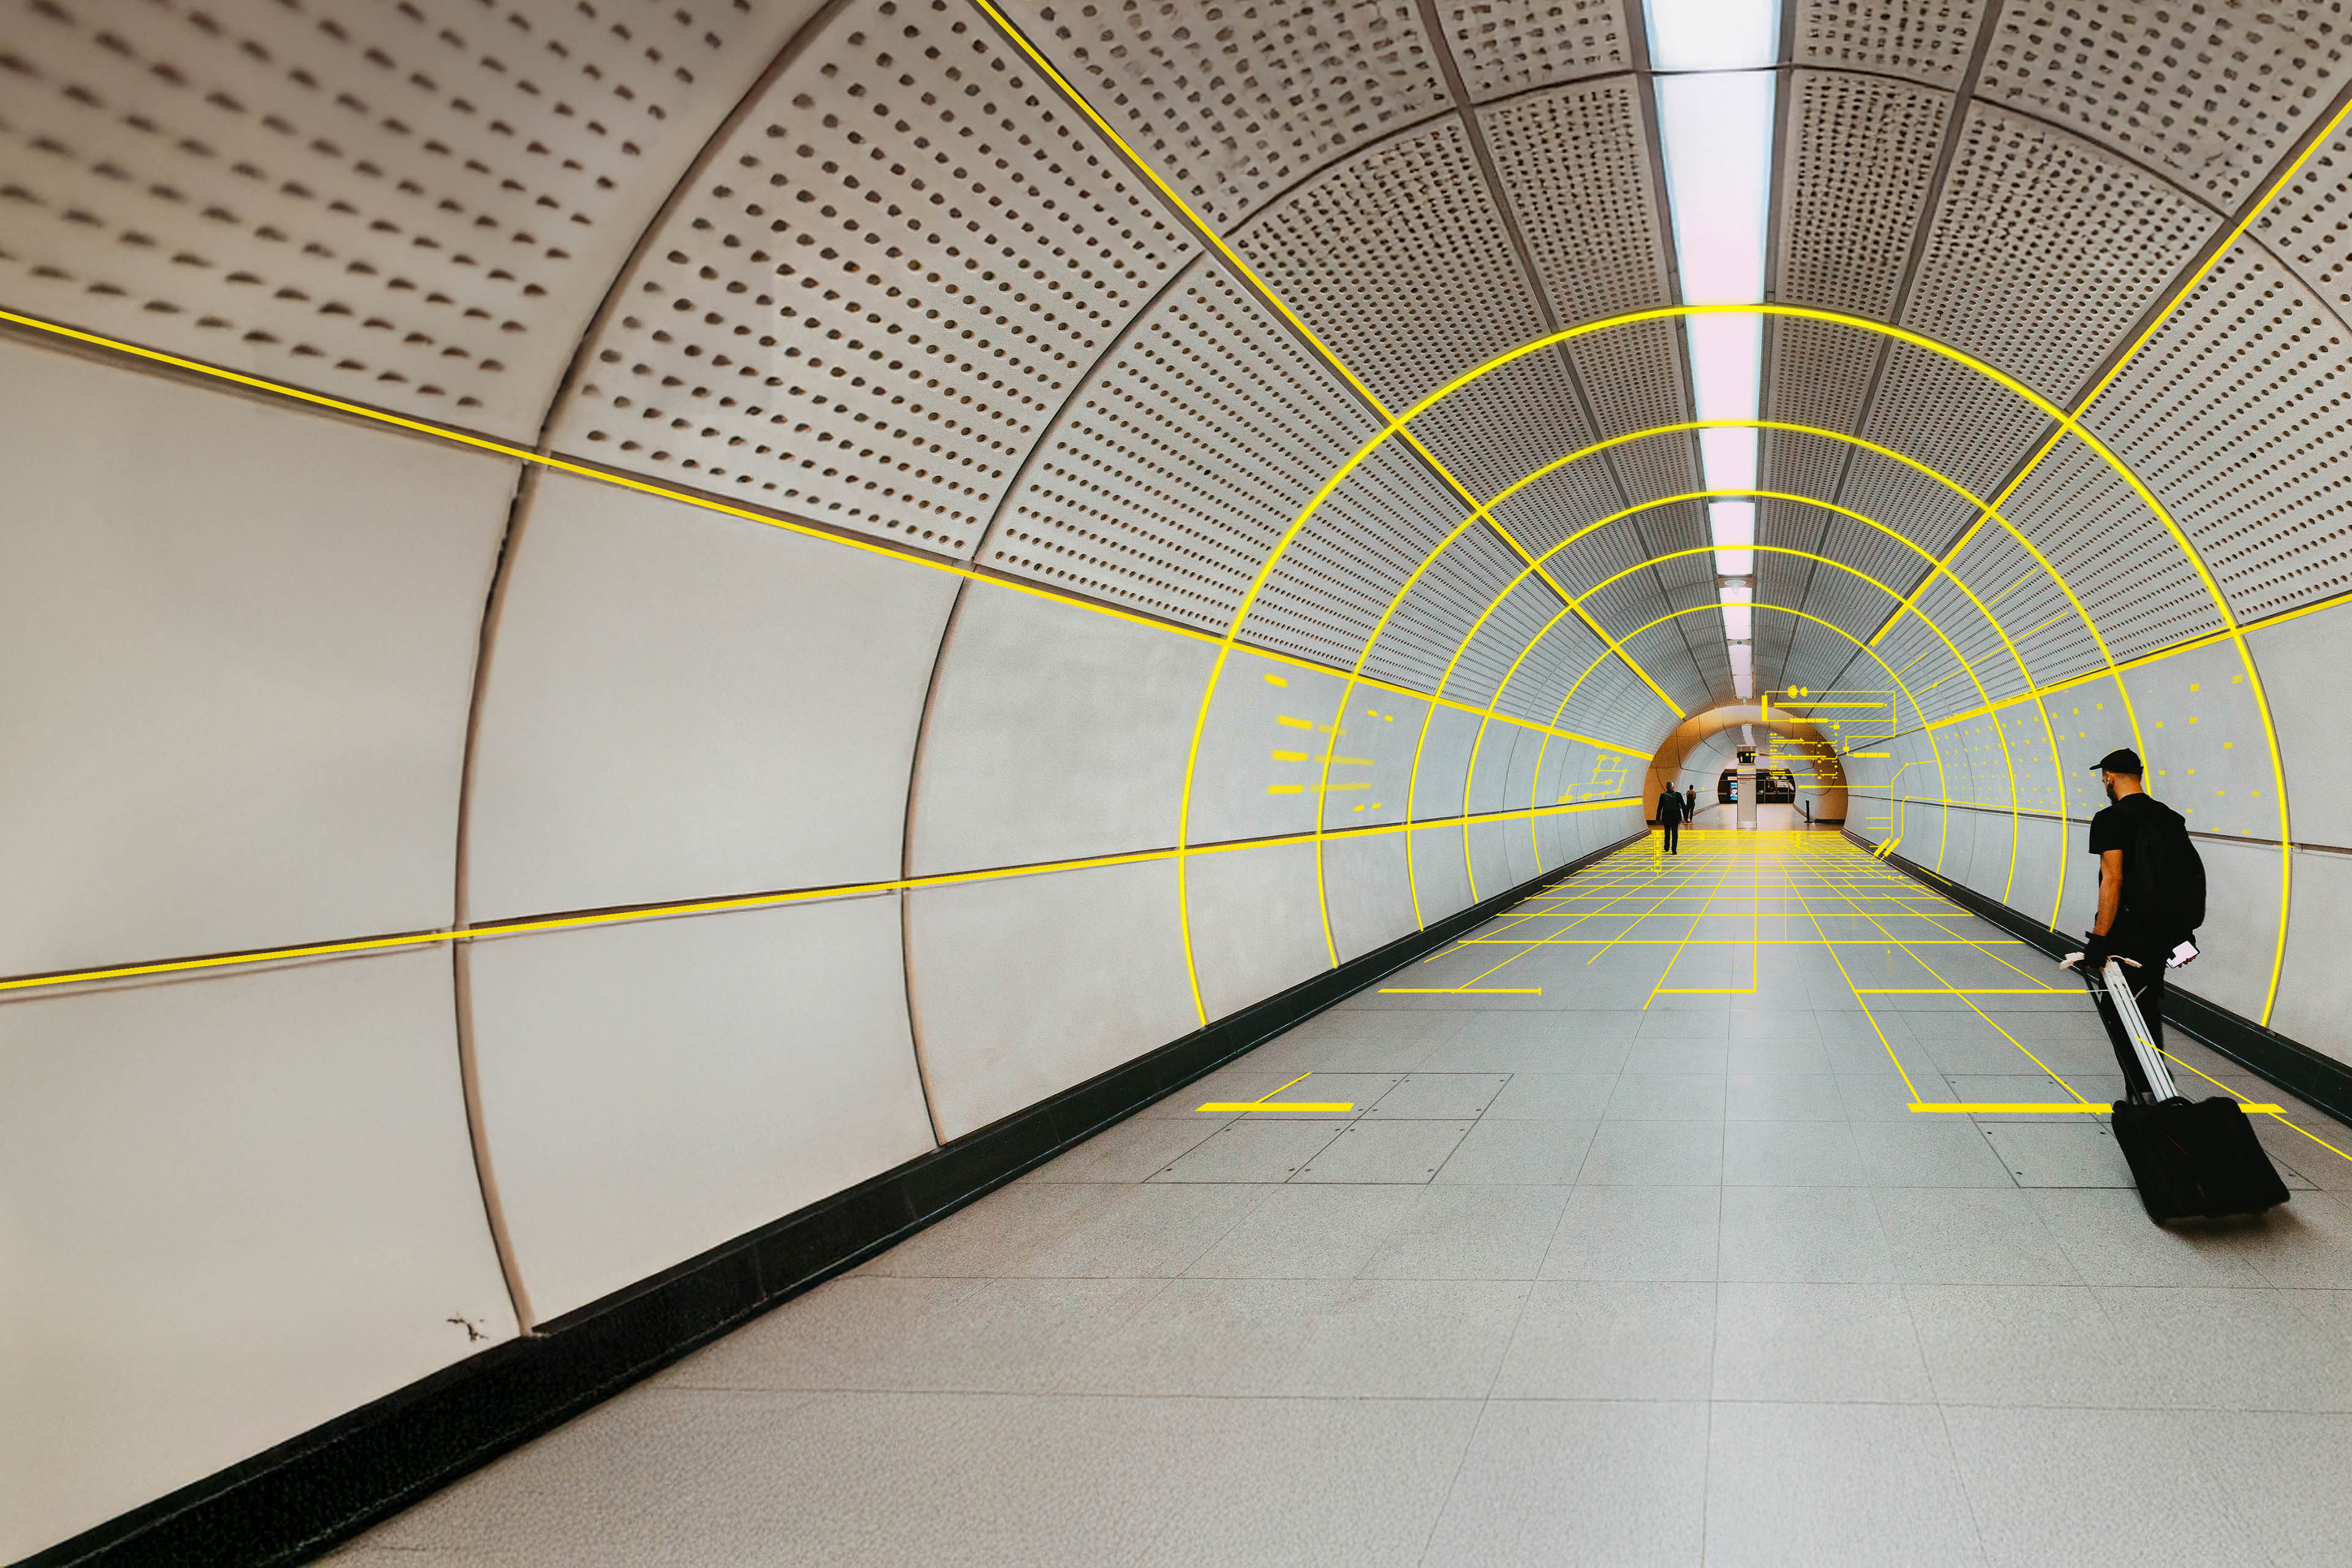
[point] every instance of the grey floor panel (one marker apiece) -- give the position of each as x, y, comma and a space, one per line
1609, 1276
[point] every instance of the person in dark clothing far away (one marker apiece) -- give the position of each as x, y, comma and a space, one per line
1670, 817
2151, 889
1690, 803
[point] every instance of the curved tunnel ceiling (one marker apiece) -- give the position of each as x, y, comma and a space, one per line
1130, 385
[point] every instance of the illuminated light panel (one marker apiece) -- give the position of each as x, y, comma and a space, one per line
1737, 618
1715, 132
1733, 525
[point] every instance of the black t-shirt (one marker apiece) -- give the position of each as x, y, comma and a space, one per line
2117, 827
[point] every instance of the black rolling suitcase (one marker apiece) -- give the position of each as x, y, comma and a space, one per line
2191, 1159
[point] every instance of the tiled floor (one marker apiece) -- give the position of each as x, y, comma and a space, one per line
1655, 1266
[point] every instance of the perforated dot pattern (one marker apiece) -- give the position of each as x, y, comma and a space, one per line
1854, 181
1562, 503
2138, 588
1398, 260
1440, 611
1506, 48
2083, 241
1925, 40
416, 206
1234, 104
1971, 429
1578, 174
2238, 415
2309, 227
1816, 374
2212, 95
879, 290
1634, 375
1507, 424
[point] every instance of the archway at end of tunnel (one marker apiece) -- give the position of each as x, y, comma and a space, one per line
1763, 741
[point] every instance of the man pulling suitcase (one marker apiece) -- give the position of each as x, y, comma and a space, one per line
2189, 1160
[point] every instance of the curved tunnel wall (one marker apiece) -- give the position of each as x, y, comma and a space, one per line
1060, 714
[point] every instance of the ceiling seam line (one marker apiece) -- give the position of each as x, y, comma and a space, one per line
1506, 216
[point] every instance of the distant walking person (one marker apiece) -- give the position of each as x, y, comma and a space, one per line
2151, 890
1670, 817
1690, 805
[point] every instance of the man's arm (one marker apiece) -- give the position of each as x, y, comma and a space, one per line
2111, 890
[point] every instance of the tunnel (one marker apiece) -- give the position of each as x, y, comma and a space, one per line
879, 781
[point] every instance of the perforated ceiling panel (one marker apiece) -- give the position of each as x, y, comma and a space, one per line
1635, 376
1577, 168
2212, 95
2309, 227
1234, 106
1398, 261
1437, 615
2061, 222
2137, 587
1541, 684
1507, 424
1817, 374
1854, 176
1504, 47
1552, 509
2238, 415
1186, 455
1515, 626
879, 290
415, 206
1971, 429
1925, 40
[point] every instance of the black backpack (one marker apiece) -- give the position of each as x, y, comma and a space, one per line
2164, 879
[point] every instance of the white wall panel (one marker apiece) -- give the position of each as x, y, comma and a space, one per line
1441, 874
655, 1088
1442, 777
2314, 1000
1492, 868
1262, 749
1382, 728
1024, 985
1365, 885
682, 704
2315, 741
1055, 733
236, 647
1257, 923
233, 1208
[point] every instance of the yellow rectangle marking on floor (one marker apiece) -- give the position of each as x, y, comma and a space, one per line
1280, 1105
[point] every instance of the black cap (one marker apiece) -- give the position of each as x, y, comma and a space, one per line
2122, 760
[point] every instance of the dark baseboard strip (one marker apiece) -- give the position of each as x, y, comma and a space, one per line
298, 1499
2318, 1081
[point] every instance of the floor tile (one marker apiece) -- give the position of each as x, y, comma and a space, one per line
1472, 1231
1927, 1150
1944, 1236
2110, 1240
1552, 1097
1206, 1337
2223, 1348
2124, 1487
1140, 1231
1131, 1151
1825, 1485
1432, 1097
1817, 1343
1666, 1096
1250, 1150
1408, 1339
1823, 1235
1304, 1232
1546, 1483
1321, 1481
1611, 1340
2023, 1345
1789, 1154
1637, 1233
1498, 1152
2080, 1153
1385, 1152
1655, 1153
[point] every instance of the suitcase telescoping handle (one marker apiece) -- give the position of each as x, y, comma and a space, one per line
2126, 1005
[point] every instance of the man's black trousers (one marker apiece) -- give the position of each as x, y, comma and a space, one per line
1674, 827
